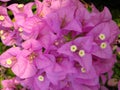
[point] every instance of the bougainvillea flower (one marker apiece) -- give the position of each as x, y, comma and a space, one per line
23, 68
98, 17
74, 84
101, 65
64, 21
83, 74
22, 9
42, 9
46, 37
4, 18
49, 6
19, 20
80, 50
19, 65
102, 34
83, 16
9, 58
32, 45
31, 24
54, 71
42, 81
105, 15
10, 37
39, 81
9, 84
27, 59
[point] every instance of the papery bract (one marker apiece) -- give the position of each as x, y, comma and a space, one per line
57, 45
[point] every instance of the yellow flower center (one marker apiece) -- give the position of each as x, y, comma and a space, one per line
81, 53
41, 78
1, 32
73, 48
2, 17
103, 45
83, 70
41, 14
9, 61
14, 45
56, 43
20, 5
20, 29
102, 36
3, 37
32, 56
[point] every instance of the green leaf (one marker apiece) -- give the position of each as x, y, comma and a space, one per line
89, 9
1, 78
9, 73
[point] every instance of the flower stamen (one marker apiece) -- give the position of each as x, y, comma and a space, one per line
83, 70
1, 32
9, 61
20, 5
81, 53
2, 17
32, 56
103, 45
20, 29
102, 37
41, 78
73, 48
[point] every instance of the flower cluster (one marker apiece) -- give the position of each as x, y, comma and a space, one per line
59, 46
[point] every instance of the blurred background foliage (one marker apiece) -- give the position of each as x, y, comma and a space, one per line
114, 7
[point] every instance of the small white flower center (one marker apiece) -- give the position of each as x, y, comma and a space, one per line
56, 43
118, 53
81, 53
83, 70
3, 37
1, 32
9, 61
103, 45
14, 45
20, 29
20, 5
41, 14
102, 36
2, 17
41, 78
73, 48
